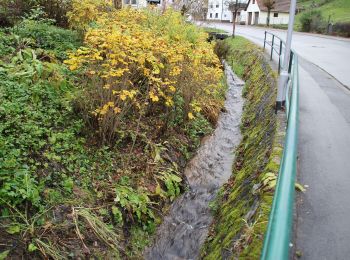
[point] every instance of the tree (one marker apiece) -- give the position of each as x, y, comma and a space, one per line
234, 6
196, 8
269, 4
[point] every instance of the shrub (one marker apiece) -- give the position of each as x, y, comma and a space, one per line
312, 21
12, 11
46, 36
147, 66
85, 12
342, 29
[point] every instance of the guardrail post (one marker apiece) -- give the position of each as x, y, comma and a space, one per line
290, 62
279, 57
265, 40
273, 40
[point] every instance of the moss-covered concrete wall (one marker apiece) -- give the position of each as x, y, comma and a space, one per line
243, 205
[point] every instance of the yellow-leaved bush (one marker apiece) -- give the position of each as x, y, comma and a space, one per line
85, 12
138, 63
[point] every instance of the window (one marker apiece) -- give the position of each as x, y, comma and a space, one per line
216, 15
217, 6
211, 6
275, 14
130, 2
211, 15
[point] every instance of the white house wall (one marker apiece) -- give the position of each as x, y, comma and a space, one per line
282, 18
139, 3
253, 7
217, 11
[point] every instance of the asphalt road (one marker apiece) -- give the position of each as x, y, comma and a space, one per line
322, 222
332, 54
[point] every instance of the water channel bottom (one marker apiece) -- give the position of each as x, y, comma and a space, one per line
186, 225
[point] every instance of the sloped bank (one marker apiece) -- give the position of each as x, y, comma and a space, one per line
243, 205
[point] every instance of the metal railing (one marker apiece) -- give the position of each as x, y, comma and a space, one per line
278, 234
277, 46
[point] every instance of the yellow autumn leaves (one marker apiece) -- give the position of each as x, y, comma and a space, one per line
139, 59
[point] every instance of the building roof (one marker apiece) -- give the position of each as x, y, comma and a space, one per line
281, 6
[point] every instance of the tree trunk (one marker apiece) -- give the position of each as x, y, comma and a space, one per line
268, 17
234, 14
164, 6
118, 4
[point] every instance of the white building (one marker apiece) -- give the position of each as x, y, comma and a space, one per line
217, 11
135, 3
255, 13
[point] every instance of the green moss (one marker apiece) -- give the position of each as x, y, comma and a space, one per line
243, 204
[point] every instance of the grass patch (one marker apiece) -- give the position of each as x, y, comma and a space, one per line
338, 10
215, 30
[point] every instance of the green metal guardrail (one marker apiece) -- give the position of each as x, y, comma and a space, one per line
278, 235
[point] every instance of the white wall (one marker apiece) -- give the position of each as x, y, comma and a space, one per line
253, 8
139, 3
282, 18
214, 10
218, 7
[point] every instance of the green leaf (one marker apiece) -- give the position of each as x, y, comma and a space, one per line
175, 178
118, 216
32, 247
14, 229
299, 187
158, 189
68, 184
4, 254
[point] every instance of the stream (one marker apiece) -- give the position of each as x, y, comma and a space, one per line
185, 227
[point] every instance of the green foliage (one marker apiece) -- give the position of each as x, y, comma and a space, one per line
12, 11
312, 21
27, 98
172, 183
4, 254
336, 10
222, 49
134, 202
55, 179
46, 36
117, 214
7, 43
200, 126
32, 247
209, 29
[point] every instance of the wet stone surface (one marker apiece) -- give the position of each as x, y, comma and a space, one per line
186, 225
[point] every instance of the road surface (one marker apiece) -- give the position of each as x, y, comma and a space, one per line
322, 223
332, 54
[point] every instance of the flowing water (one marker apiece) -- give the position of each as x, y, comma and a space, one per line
186, 225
